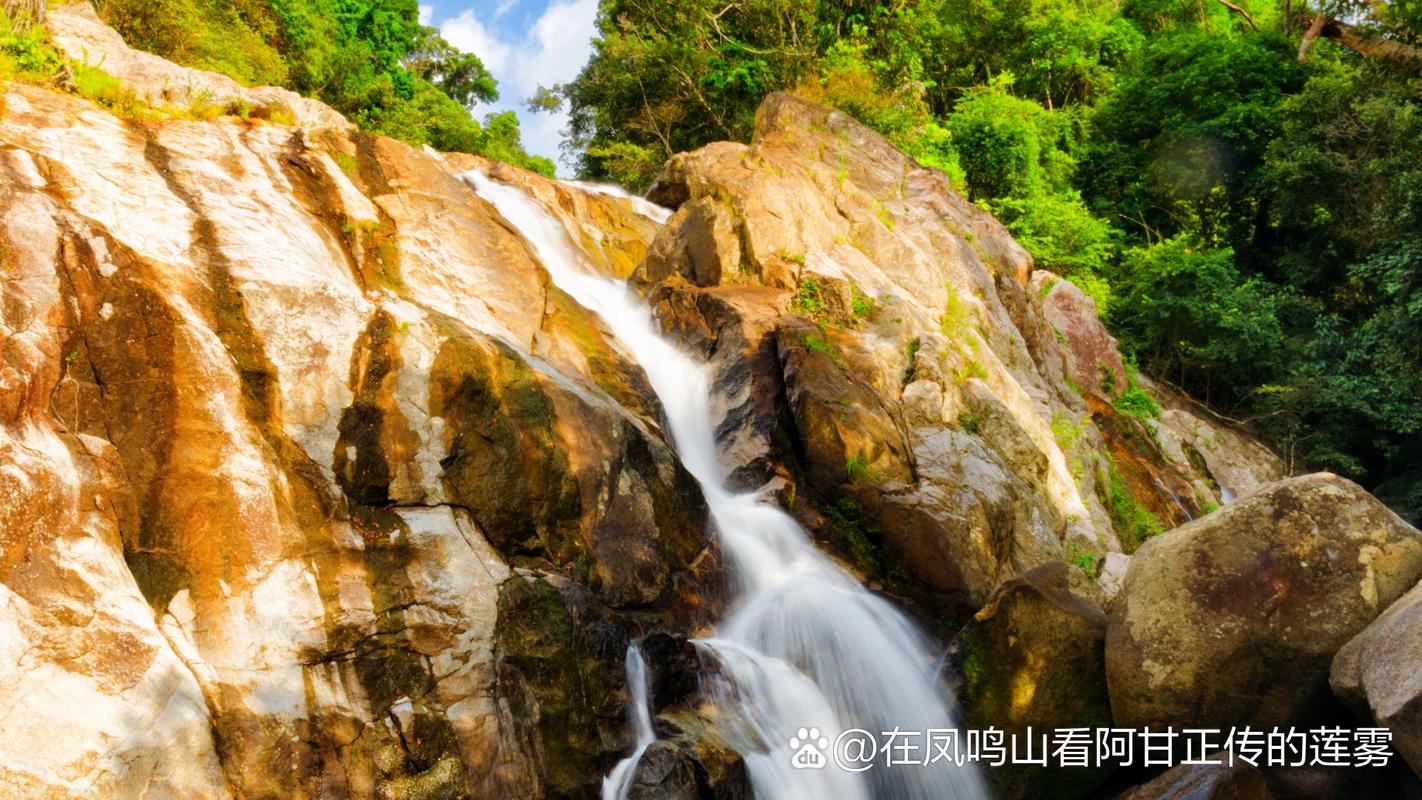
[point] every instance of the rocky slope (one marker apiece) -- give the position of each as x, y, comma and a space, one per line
943, 413
312, 484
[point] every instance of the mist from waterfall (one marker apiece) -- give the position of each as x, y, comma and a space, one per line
804, 646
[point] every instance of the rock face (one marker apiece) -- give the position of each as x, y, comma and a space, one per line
1378, 673
891, 370
1234, 618
1035, 656
310, 483
1092, 360
1204, 782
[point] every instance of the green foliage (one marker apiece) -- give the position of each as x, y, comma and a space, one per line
1064, 53
956, 318
1087, 561
846, 79
1179, 145
861, 306
808, 300
1064, 237
1138, 403
233, 38
858, 472
1015, 156
970, 422
1187, 312
625, 163
1132, 522
816, 343
1066, 431
850, 534
1008, 146
25, 54
972, 369
664, 79
370, 59
108, 91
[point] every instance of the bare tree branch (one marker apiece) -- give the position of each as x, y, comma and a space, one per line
1310, 35
1370, 45
1379, 47
1240, 10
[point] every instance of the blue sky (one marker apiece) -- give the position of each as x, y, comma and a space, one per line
525, 44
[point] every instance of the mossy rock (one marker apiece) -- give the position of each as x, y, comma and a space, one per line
1035, 656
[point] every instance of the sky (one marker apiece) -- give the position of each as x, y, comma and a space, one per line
525, 44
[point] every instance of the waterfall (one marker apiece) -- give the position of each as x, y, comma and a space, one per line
804, 648
616, 785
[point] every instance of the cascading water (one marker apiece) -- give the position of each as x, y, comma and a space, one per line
805, 647
616, 785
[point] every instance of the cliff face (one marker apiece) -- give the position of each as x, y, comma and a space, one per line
945, 412
309, 481
311, 484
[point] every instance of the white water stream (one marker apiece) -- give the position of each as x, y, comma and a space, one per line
616, 785
804, 646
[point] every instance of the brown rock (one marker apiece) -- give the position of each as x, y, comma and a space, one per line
1093, 360
847, 434
1234, 618
1204, 782
703, 246
1378, 674
1035, 656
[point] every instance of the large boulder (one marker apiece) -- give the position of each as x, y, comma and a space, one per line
1234, 618
1378, 674
1035, 656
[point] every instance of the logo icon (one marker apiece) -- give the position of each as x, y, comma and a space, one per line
807, 749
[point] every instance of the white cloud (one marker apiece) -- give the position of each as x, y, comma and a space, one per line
505, 6
552, 51
426, 13
470, 35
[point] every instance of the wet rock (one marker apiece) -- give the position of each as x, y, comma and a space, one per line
550, 474
1234, 618
1035, 656
704, 247
676, 769
1204, 782
664, 772
1378, 674
673, 669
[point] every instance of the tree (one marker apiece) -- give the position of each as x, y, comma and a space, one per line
371, 60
